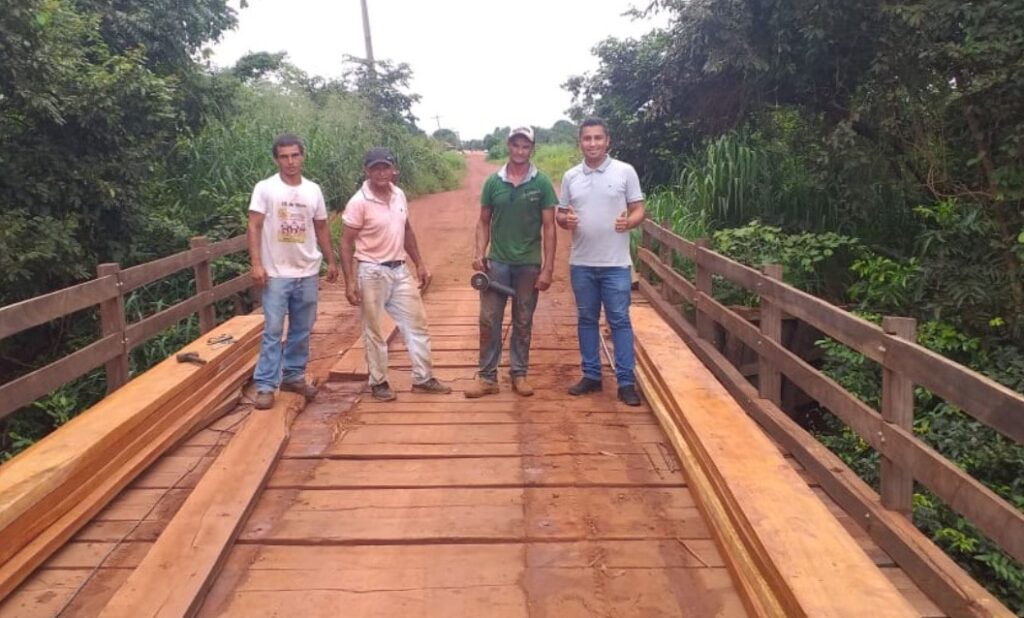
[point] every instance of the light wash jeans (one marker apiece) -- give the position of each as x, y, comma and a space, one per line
395, 291
594, 286
296, 298
523, 279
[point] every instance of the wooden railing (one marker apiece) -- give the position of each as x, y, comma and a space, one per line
117, 337
904, 458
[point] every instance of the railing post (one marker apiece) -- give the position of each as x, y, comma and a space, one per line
897, 409
665, 254
769, 380
647, 242
112, 321
705, 325
204, 283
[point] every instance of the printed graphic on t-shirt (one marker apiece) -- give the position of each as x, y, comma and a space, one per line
291, 219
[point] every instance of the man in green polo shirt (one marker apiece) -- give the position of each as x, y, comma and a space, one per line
516, 205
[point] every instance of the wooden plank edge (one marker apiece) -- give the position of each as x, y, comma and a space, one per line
30, 516
938, 576
112, 478
759, 596
173, 578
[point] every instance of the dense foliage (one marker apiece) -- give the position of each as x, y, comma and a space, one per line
119, 144
877, 151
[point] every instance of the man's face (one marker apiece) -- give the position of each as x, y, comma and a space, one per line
594, 142
289, 161
380, 174
519, 150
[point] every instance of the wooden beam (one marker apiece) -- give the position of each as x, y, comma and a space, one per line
769, 380
28, 388
771, 507
955, 592
111, 323
107, 480
41, 309
173, 578
998, 519
666, 237
670, 277
204, 283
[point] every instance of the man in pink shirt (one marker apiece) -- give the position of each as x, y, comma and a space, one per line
378, 236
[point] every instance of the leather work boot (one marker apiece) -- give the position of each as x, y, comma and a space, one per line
432, 386
264, 400
584, 386
301, 387
383, 392
480, 388
629, 396
521, 386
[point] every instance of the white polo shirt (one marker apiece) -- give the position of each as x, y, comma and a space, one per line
599, 196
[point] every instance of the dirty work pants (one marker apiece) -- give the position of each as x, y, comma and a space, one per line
523, 279
393, 290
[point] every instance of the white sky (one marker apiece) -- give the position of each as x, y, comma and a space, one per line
477, 63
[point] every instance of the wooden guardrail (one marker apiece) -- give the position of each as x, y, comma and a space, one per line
117, 337
904, 458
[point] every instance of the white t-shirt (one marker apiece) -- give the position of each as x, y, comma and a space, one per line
288, 247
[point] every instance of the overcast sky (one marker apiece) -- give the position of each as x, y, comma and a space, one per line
477, 64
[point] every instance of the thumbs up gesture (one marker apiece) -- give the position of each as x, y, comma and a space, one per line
622, 222
571, 218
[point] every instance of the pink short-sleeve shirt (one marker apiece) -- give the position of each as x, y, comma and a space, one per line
381, 225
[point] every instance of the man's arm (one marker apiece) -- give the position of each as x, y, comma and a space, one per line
483, 239
631, 217
254, 235
323, 236
348, 257
550, 240
412, 249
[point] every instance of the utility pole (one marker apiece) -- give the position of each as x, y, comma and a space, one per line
438, 119
369, 43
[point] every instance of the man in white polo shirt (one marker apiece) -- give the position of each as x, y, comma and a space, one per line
287, 218
601, 201
377, 234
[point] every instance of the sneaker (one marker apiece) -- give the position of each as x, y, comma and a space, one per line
584, 386
264, 400
383, 392
480, 388
301, 387
432, 386
521, 386
629, 396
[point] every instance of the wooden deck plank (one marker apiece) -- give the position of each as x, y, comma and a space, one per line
411, 515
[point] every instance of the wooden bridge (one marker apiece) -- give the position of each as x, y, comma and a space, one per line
172, 497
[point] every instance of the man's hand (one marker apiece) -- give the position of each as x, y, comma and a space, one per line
571, 218
259, 276
425, 277
332, 272
622, 222
480, 264
544, 280
353, 295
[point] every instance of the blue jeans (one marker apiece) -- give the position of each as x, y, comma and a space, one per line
608, 285
296, 298
523, 279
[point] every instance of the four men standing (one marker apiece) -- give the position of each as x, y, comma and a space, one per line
600, 202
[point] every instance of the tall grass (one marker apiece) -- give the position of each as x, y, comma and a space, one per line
555, 159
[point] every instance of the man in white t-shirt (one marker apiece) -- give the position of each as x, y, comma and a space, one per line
287, 220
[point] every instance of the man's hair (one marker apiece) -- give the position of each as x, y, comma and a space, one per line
287, 139
594, 121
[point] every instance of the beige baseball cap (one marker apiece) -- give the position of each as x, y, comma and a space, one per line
524, 130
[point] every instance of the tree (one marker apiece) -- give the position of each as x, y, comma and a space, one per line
449, 137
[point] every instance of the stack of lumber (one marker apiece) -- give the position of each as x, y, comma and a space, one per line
789, 554
51, 490
352, 363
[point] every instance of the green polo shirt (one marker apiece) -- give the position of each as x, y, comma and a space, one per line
516, 215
